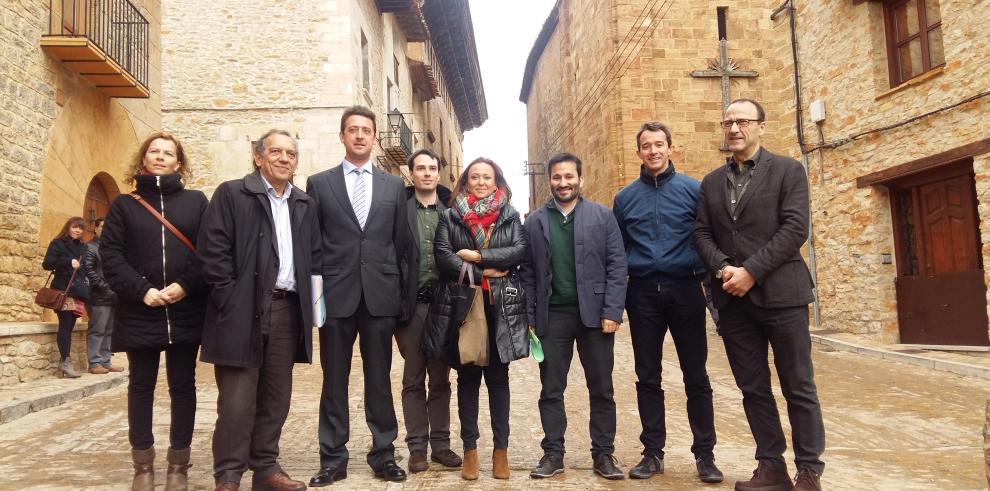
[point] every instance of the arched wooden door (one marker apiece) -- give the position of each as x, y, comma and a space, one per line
101, 191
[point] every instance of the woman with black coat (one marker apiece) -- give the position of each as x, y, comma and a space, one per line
161, 300
483, 230
63, 256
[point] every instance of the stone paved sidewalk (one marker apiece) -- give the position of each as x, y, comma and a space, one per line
889, 425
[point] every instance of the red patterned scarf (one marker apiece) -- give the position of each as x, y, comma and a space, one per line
480, 214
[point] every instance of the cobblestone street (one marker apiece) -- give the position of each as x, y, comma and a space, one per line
889, 426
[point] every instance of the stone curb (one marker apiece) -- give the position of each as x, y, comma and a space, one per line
20, 407
955, 367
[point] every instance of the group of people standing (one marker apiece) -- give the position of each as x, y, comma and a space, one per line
236, 279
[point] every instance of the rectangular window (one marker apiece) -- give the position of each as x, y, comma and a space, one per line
389, 102
365, 64
914, 38
396, 70
722, 14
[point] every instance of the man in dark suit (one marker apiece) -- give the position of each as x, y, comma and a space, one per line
752, 221
574, 276
427, 414
259, 247
362, 215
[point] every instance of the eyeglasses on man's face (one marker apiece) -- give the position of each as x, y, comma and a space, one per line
741, 123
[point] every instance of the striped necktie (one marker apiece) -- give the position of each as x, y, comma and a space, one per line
359, 197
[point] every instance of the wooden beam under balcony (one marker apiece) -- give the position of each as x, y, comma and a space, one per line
82, 56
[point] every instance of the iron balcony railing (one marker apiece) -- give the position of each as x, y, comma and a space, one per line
400, 137
114, 26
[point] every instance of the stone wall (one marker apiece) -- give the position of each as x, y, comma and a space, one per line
629, 68
57, 131
223, 88
844, 63
28, 351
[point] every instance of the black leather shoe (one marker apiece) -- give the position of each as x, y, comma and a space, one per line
707, 471
607, 467
646, 468
327, 476
550, 465
390, 471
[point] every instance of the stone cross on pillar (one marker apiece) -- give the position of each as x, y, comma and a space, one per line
726, 69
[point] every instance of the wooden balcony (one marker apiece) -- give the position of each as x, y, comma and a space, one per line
425, 78
104, 41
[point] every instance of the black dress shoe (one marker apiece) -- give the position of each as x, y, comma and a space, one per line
327, 476
390, 472
646, 468
707, 471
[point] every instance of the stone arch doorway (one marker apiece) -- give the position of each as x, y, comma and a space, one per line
101, 191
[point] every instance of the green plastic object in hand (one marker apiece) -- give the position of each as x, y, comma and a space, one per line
535, 347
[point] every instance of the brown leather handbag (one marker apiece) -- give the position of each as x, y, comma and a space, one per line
52, 298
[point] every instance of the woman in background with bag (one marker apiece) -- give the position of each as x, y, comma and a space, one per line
483, 232
150, 263
62, 257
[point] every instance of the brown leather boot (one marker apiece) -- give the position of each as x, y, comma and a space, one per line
178, 465
144, 469
766, 478
500, 463
470, 469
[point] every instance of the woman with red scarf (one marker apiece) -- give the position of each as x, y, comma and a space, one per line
483, 230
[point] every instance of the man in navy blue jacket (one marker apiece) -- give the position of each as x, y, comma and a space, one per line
656, 214
574, 276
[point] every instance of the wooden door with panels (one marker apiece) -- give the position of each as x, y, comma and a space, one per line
941, 289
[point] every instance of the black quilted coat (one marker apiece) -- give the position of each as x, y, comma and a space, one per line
139, 254
505, 251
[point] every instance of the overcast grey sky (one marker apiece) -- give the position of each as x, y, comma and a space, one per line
504, 32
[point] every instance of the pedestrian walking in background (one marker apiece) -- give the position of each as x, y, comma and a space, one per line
99, 308
482, 231
63, 258
150, 263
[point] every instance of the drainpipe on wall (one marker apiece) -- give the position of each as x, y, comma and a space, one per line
788, 5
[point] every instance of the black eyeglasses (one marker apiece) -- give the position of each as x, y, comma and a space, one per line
741, 123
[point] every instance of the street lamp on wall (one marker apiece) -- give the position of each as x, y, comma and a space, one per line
394, 120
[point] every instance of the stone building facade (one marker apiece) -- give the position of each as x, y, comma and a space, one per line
66, 136
225, 84
890, 241
600, 69
70, 120
899, 168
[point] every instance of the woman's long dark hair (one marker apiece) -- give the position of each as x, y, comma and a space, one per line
461, 186
68, 224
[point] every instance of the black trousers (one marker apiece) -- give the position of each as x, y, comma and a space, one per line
747, 331
336, 349
680, 307
496, 376
595, 349
180, 370
253, 403
66, 323
427, 414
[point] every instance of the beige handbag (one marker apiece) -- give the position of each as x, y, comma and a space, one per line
472, 334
